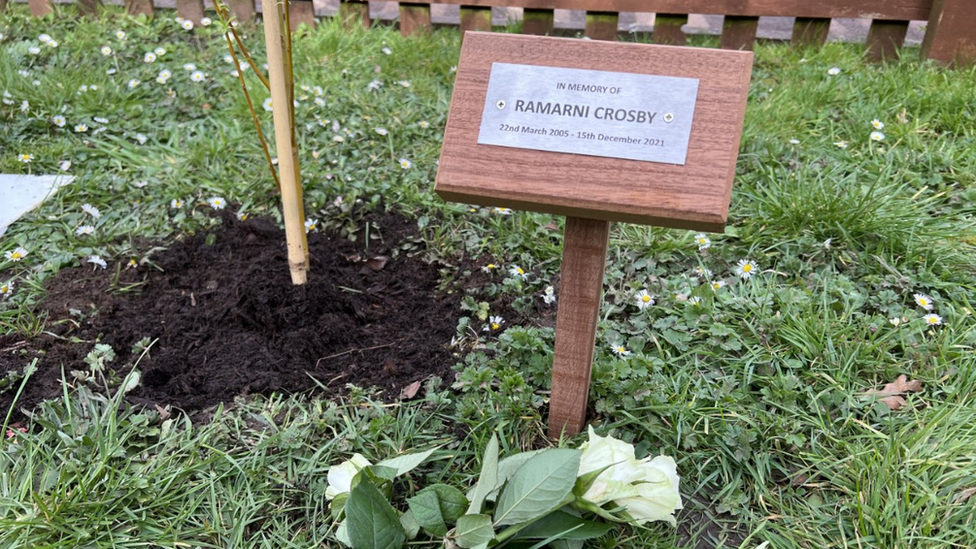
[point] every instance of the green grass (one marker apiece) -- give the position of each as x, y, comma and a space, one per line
758, 389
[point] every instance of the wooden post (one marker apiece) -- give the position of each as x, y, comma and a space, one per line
667, 29
139, 7
739, 33
951, 35
40, 8
884, 39
291, 190
539, 22
88, 8
414, 18
190, 9
580, 293
242, 10
601, 25
475, 18
303, 13
354, 13
810, 31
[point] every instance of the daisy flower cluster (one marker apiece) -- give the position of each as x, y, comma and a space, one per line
927, 304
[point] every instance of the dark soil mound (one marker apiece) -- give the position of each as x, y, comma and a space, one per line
229, 322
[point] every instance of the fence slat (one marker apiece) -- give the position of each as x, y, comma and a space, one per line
810, 31
89, 7
139, 7
538, 22
884, 39
951, 35
601, 25
243, 10
902, 10
354, 13
40, 8
190, 9
302, 12
475, 18
667, 28
739, 33
414, 18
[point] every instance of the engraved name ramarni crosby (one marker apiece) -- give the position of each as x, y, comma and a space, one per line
597, 113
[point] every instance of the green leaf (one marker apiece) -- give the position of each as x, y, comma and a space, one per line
474, 530
371, 522
338, 505
538, 487
408, 462
342, 534
506, 468
410, 525
487, 478
426, 509
381, 472
564, 526
452, 501
585, 482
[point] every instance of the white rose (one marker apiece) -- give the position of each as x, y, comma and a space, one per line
340, 476
615, 482
657, 493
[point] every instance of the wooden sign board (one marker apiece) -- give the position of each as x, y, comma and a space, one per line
598, 132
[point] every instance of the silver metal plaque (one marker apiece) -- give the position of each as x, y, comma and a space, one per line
597, 113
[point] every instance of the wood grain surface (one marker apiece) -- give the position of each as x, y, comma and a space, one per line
908, 10
580, 294
951, 35
693, 196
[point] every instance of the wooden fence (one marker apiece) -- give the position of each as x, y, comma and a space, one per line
950, 36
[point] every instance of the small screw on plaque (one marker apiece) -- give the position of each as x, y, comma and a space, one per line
500, 104
669, 117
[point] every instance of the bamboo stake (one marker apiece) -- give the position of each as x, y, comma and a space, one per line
291, 190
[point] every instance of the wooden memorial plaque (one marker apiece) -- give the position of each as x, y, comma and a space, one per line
598, 132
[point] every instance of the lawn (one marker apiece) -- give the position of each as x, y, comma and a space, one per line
853, 208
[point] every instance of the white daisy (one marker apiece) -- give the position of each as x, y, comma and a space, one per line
267, 105
405, 164
877, 136
176, 203
644, 300
381, 131
25, 158
198, 76
549, 295
106, 51
746, 268
494, 324
206, 21
33, 50
877, 124
7, 288
387, 51
150, 57
833, 71
97, 261
91, 210
120, 35
160, 51
311, 226
840, 144
703, 241
189, 67
933, 319
44, 38
81, 128
621, 351
187, 24
923, 301
217, 203
517, 271
141, 138
84, 230
16, 254
133, 83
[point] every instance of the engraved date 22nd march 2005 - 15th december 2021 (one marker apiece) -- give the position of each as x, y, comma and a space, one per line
597, 113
